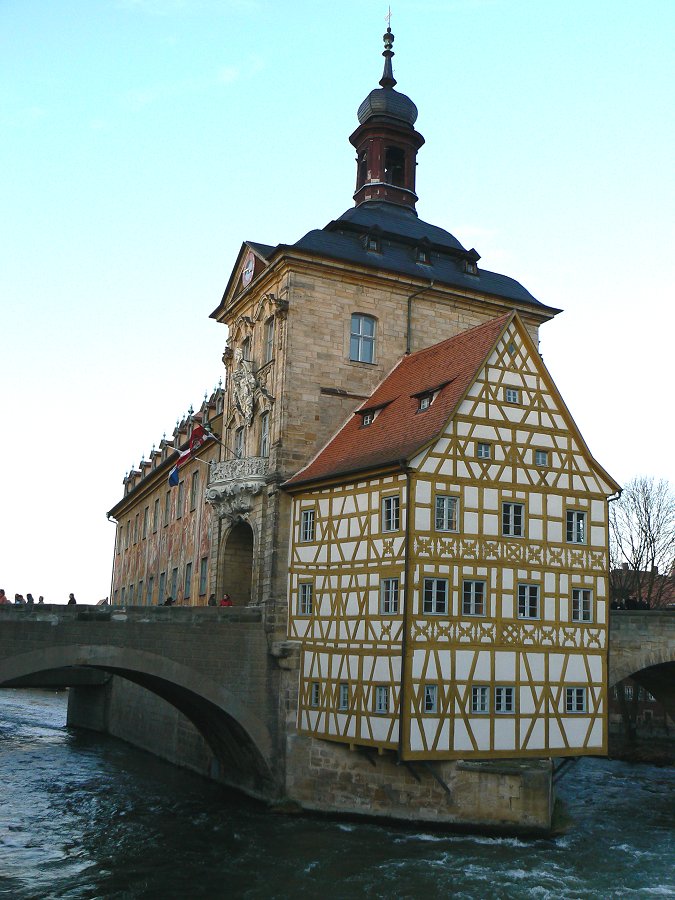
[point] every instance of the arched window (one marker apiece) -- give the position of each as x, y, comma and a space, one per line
394, 166
239, 443
265, 434
269, 339
362, 338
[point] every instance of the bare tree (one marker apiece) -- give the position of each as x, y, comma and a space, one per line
642, 543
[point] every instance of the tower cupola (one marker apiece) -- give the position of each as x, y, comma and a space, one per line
386, 141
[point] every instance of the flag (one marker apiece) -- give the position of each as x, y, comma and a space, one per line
198, 438
173, 474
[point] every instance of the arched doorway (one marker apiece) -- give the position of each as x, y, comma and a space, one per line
235, 569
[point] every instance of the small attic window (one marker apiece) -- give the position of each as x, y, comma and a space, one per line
470, 267
422, 256
425, 402
372, 243
368, 416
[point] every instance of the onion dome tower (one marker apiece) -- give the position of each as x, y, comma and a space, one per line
386, 141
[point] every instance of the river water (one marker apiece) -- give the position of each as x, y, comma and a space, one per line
85, 816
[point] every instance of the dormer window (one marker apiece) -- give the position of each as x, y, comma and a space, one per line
372, 243
368, 416
425, 402
470, 267
422, 256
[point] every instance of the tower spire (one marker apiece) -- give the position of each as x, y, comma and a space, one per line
388, 80
386, 141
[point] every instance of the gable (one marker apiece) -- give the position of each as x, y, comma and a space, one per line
516, 426
252, 260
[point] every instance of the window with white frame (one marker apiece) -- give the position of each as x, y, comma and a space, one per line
430, 698
513, 519
305, 598
541, 457
424, 402
528, 601
307, 525
265, 434
435, 599
480, 699
269, 339
391, 513
512, 395
382, 699
447, 509
483, 450
362, 338
575, 699
576, 526
239, 441
315, 693
582, 605
367, 419
504, 699
473, 598
343, 695
389, 596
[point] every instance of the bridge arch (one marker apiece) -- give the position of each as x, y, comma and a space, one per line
240, 741
640, 659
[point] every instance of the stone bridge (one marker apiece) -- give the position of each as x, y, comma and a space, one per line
208, 689
212, 665
642, 647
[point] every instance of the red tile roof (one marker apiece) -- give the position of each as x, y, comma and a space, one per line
400, 429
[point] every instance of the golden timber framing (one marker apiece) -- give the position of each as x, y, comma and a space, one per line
446, 637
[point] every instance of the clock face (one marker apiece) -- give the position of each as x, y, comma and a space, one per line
247, 271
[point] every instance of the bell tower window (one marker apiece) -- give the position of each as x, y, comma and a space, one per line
394, 166
362, 173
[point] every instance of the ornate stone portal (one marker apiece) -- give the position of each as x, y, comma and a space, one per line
233, 484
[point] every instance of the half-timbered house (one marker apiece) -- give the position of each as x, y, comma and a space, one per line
448, 579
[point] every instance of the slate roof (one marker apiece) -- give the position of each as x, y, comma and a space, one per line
401, 232
400, 429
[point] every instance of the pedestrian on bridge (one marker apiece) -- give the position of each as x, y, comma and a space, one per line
71, 600
3, 596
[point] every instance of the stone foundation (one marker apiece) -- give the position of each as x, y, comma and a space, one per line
326, 777
509, 795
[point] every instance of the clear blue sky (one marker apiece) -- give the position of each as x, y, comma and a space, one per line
143, 140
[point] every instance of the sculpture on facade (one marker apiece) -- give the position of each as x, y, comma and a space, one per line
243, 385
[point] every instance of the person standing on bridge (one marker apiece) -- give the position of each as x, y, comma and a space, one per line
212, 600
3, 596
226, 601
71, 600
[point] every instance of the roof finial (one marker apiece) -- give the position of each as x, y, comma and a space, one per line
388, 80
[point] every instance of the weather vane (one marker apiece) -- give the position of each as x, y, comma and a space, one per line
387, 18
